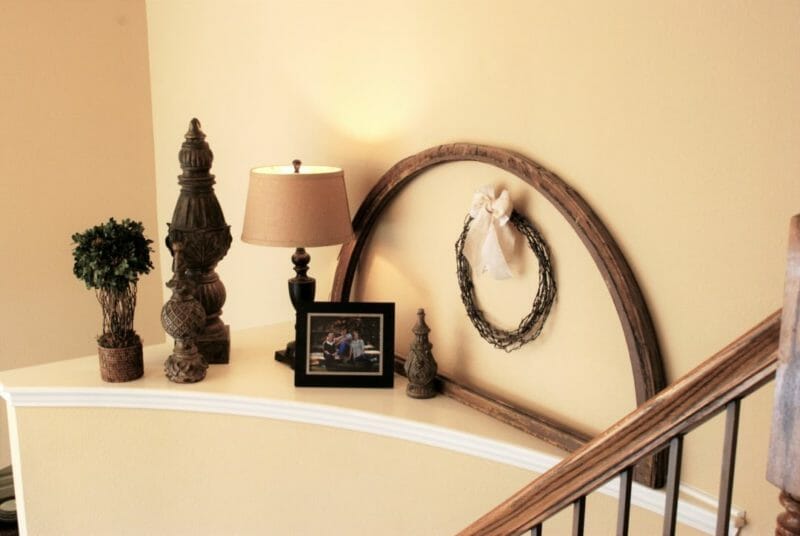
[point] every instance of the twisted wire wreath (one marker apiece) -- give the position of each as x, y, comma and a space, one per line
529, 327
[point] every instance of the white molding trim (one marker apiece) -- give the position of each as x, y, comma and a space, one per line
690, 514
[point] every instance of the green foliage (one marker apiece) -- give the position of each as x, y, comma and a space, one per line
111, 256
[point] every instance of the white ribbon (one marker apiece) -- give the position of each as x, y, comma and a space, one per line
490, 239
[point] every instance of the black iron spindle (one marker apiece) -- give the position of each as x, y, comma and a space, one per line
624, 512
536, 530
578, 516
673, 485
728, 462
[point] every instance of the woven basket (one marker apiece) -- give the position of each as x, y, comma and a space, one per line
121, 364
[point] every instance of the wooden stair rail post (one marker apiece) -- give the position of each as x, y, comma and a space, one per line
783, 468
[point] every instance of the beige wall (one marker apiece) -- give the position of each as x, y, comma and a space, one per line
76, 145
679, 121
294, 479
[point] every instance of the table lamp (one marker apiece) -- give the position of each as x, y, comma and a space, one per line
297, 206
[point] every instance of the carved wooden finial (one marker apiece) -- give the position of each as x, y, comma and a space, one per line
194, 131
199, 224
195, 155
420, 366
421, 329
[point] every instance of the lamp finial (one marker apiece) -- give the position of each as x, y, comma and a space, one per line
296, 163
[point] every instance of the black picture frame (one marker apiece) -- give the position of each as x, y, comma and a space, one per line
319, 365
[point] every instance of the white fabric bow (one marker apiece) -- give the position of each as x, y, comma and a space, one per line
490, 239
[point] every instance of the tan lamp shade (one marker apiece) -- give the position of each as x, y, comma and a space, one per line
297, 209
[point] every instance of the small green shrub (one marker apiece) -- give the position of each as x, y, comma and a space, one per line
111, 255
109, 258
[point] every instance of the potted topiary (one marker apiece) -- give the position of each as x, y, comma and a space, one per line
109, 258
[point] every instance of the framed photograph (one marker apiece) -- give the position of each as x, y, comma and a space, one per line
345, 345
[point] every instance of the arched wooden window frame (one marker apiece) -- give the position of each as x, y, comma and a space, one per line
637, 326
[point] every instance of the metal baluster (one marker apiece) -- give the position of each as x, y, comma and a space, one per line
673, 485
624, 512
578, 516
728, 462
536, 530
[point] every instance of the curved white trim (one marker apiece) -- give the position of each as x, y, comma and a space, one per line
689, 514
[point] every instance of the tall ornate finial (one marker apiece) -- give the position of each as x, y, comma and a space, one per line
198, 223
420, 366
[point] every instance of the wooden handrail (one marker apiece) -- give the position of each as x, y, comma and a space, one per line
741, 367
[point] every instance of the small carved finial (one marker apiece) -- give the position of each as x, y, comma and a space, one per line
195, 155
194, 132
420, 366
421, 328
296, 163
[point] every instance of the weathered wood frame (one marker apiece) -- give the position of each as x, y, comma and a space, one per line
637, 326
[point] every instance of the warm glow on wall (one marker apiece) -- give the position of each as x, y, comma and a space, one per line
372, 81
367, 107
623, 103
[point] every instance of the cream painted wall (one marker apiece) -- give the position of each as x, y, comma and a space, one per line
278, 477
678, 121
76, 142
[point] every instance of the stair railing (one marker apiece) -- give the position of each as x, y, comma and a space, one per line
716, 385
719, 384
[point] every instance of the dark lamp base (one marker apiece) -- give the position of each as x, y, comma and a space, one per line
301, 291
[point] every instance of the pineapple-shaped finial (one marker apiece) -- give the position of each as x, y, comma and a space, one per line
182, 318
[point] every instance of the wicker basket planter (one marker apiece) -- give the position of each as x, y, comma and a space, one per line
121, 364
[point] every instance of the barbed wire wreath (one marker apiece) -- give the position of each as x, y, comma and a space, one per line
531, 325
